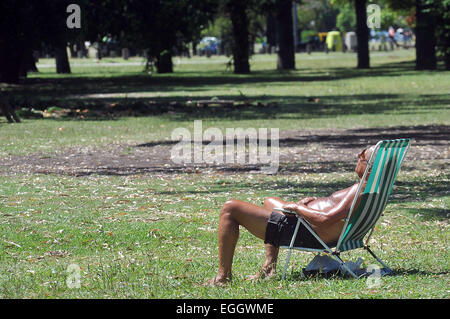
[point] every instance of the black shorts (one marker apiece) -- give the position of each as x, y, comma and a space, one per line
280, 229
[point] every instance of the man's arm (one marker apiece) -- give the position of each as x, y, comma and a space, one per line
306, 200
321, 218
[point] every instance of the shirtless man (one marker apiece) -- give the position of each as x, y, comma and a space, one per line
325, 215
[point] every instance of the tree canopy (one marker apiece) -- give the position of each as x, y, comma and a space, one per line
160, 29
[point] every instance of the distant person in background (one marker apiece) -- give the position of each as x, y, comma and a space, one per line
392, 35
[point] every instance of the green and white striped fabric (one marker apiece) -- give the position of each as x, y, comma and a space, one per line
382, 176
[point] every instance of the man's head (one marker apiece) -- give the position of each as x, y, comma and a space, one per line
363, 158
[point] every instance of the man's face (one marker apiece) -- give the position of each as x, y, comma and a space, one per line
363, 158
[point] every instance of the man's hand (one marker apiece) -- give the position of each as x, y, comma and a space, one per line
291, 207
306, 200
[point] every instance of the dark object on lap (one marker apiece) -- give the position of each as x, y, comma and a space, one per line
279, 232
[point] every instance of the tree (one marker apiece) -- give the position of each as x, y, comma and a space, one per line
443, 33
286, 50
362, 35
362, 32
17, 35
61, 57
320, 15
158, 28
55, 32
24, 26
163, 27
280, 30
238, 24
430, 20
7, 110
435, 16
346, 19
271, 31
237, 10
425, 37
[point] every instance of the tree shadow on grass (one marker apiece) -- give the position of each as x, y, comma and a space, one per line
414, 272
412, 191
278, 187
91, 92
430, 214
360, 138
420, 190
328, 106
201, 80
262, 107
346, 139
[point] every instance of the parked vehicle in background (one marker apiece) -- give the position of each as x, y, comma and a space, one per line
351, 41
312, 42
209, 46
334, 41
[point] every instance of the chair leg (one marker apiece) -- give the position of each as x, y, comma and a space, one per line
389, 270
286, 264
343, 265
290, 248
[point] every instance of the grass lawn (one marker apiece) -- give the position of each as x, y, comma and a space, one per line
325, 92
153, 235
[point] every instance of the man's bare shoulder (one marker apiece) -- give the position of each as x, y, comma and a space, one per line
351, 190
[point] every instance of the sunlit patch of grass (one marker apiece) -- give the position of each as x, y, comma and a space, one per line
146, 237
155, 236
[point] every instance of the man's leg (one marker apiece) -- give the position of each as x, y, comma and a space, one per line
234, 213
269, 266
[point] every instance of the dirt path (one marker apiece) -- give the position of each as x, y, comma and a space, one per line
300, 151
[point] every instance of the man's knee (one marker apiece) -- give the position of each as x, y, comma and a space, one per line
270, 202
230, 206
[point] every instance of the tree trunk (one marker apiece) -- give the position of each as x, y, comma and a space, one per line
164, 62
362, 35
447, 52
7, 109
445, 36
286, 51
271, 31
425, 38
10, 62
62, 60
240, 46
28, 63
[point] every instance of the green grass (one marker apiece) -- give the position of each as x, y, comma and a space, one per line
390, 94
149, 237
154, 236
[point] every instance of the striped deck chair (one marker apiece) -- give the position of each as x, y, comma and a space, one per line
384, 165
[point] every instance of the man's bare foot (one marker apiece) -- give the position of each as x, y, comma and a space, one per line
218, 281
264, 273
